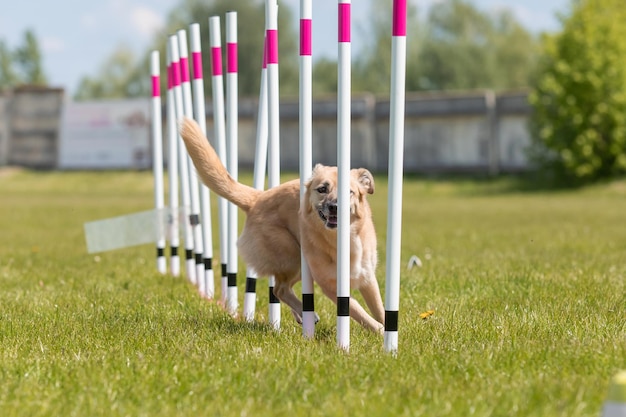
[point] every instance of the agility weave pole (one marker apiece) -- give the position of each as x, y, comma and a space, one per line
232, 133
396, 158
172, 168
207, 279
306, 152
183, 164
258, 179
271, 36
157, 154
343, 175
194, 215
220, 139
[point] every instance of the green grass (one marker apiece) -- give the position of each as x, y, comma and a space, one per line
527, 287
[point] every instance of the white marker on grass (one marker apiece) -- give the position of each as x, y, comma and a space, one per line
343, 175
271, 35
172, 169
232, 120
194, 190
207, 280
396, 158
220, 138
157, 153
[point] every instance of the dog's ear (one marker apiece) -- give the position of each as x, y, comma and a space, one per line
366, 180
307, 194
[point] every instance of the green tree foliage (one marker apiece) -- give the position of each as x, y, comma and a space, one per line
114, 80
465, 48
579, 100
456, 46
250, 40
372, 67
24, 65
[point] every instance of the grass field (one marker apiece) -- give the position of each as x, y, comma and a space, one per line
528, 289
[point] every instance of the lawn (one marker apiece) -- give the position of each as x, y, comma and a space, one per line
528, 289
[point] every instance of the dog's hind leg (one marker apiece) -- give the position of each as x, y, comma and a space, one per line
284, 292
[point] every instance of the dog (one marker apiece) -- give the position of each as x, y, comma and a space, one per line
276, 228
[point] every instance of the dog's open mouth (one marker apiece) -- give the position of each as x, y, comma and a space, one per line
329, 220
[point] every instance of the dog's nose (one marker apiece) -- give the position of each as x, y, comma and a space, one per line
332, 208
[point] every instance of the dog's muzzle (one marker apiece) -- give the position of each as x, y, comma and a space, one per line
328, 214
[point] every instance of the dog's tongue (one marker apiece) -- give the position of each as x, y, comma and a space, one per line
332, 221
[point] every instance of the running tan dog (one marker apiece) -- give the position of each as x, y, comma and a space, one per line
270, 240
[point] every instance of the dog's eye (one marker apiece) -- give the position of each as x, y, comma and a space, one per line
322, 189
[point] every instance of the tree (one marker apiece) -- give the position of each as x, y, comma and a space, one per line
251, 28
28, 58
8, 76
372, 67
579, 98
113, 79
467, 49
22, 65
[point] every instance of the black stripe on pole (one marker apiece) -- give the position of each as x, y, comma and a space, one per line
188, 254
224, 270
308, 302
251, 285
343, 306
160, 252
232, 279
273, 298
198, 258
194, 219
208, 263
391, 321
174, 250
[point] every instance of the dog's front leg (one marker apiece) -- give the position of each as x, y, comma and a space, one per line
357, 312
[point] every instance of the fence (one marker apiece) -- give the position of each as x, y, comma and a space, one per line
477, 132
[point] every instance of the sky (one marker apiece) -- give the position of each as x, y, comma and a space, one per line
77, 36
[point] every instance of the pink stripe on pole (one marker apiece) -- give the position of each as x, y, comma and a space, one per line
305, 37
399, 18
231, 57
156, 86
272, 46
175, 74
344, 22
216, 54
170, 78
196, 58
184, 69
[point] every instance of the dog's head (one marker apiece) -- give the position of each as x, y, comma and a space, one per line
321, 193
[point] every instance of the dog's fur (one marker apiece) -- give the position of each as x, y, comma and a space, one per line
271, 237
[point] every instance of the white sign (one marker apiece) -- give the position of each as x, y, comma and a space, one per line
113, 134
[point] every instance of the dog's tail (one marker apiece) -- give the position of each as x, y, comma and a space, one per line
211, 170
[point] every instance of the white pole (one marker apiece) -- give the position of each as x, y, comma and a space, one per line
207, 280
343, 174
260, 166
396, 158
271, 34
157, 154
172, 168
194, 216
220, 138
182, 161
232, 120
306, 153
